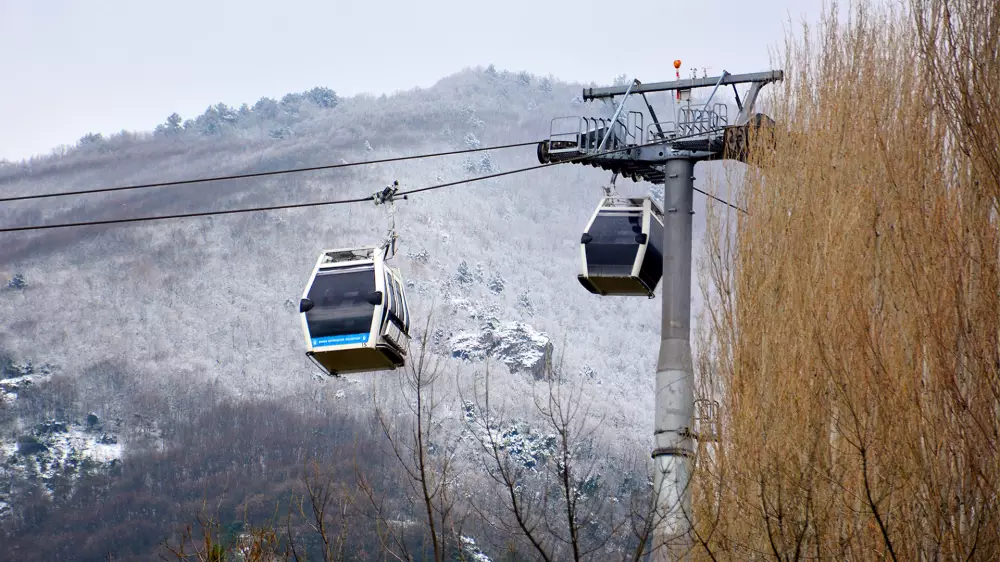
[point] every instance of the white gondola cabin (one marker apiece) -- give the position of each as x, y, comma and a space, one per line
622, 247
354, 313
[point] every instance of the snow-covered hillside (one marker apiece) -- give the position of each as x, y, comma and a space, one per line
214, 298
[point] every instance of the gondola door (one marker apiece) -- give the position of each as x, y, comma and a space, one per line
394, 322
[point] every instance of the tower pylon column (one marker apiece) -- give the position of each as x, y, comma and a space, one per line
673, 451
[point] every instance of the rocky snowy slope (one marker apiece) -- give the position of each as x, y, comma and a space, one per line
51, 455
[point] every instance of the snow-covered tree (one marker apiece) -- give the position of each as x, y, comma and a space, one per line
17, 282
210, 122
525, 303
174, 122
464, 275
91, 139
323, 97
471, 141
280, 132
496, 284
266, 108
226, 113
290, 103
476, 122
486, 164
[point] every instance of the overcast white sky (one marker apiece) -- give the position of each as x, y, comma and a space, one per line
73, 67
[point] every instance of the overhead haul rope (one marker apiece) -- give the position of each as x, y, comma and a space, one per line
260, 174
360, 199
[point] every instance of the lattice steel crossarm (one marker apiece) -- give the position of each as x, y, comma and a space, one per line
687, 84
699, 133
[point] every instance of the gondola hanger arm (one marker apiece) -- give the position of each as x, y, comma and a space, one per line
610, 190
388, 196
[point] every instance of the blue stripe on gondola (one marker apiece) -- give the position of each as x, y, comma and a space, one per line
340, 340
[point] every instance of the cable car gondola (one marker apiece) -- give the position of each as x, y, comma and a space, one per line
354, 313
622, 247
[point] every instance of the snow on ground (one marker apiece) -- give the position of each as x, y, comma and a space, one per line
515, 344
53, 446
50, 450
7, 449
12, 386
472, 550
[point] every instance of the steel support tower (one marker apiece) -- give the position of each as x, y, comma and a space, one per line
665, 153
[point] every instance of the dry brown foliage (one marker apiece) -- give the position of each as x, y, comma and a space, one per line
856, 327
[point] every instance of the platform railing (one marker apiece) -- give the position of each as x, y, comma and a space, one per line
584, 134
694, 121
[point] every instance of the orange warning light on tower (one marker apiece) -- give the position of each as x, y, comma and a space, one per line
677, 67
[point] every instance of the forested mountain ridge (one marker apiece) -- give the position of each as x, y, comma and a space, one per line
152, 323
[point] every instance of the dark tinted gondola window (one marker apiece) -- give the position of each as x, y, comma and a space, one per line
613, 247
341, 313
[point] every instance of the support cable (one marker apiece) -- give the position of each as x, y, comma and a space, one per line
260, 174
358, 199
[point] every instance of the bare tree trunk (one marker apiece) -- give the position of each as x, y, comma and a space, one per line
576, 518
428, 475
